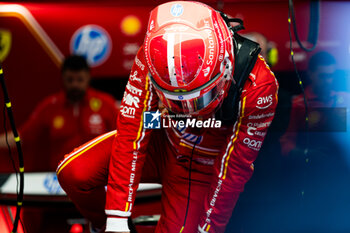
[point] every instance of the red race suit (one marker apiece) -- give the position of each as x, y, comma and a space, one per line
222, 159
56, 126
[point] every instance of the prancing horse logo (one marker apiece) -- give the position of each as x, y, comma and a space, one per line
5, 43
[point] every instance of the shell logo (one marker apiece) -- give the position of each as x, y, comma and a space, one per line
130, 25
95, 104
58, 122
315, 117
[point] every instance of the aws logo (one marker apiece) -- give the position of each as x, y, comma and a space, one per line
264, 102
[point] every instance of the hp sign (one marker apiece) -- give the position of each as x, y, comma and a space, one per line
92, 42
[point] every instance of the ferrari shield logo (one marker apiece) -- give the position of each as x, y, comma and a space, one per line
5, 43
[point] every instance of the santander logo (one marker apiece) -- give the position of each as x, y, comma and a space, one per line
264, 102
206, 71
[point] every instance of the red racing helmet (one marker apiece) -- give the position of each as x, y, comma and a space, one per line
189, 52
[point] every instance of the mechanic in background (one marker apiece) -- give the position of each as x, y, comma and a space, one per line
317, 182
61, 121
65, 119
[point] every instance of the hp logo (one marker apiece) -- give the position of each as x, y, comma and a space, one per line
92, 42
176, 10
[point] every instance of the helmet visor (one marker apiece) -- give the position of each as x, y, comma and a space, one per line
191, 102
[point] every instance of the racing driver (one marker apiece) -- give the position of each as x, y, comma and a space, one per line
190, 62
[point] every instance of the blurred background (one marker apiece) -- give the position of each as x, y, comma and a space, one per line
301, 181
